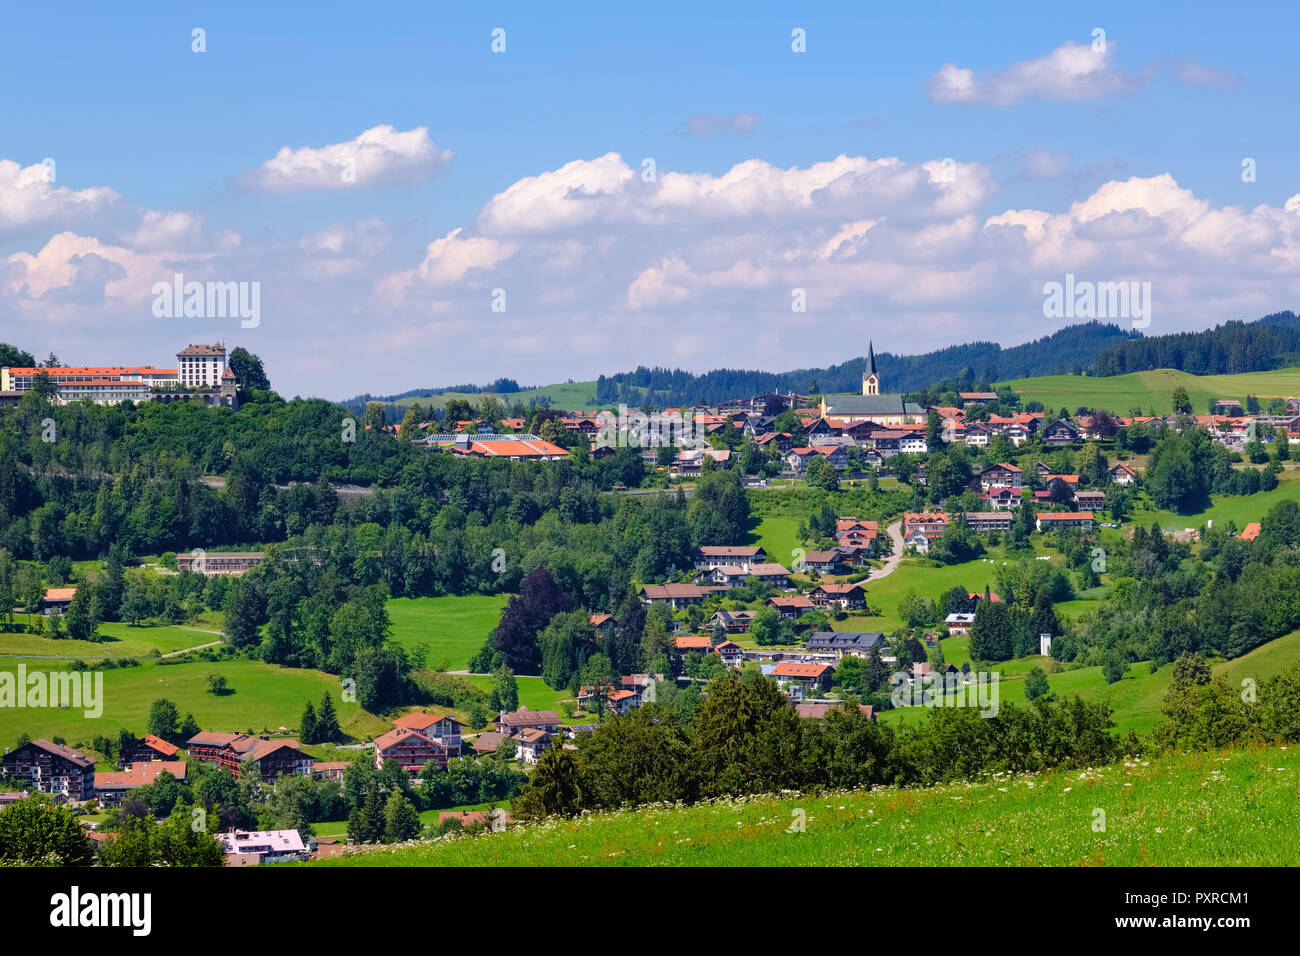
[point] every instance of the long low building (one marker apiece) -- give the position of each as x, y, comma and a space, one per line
1053, 520
113, 787
212, 563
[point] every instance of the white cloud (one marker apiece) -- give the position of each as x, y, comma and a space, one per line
605, 271
1072, 71
29, 198
381, 156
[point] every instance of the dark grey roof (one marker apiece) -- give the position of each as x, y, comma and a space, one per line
844, 640
864, 405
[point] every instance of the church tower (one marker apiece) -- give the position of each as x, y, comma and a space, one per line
870, 377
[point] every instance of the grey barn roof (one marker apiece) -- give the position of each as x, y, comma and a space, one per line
844, 640
870, 405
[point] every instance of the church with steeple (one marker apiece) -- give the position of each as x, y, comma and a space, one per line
873, 405
870, 377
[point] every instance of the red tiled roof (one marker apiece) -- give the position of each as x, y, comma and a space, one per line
800, 669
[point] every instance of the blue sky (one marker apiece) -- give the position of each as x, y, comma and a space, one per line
370, 288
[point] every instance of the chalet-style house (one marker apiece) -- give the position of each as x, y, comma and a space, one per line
445, 730
274, 758
791, 607
149, 749
329, 769
732, 654
1001, 475
959, 624
920, 540
678, 596
1002, 499
531, 743
1060, 434
933, 523
848, 596
52, 768
410, 749
734, 621
798, 678
524, 719
823, 562
844, 643
1089, 500
1122, 474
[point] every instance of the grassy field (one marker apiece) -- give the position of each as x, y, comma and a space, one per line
535, 695
117, 640
262, 697
885, 595
1239, 509
778, 534
1151, 391
452, 628
1184, 810
570, 396
1263, 662
1134, 700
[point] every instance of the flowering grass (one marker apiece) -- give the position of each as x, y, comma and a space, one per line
1203, 809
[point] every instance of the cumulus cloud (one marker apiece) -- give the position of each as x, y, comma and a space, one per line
381, 156
31, 197
1072, 71
605, 268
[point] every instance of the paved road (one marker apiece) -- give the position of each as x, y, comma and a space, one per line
895, 532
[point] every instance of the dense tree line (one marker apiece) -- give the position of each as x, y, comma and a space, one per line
965, 364
1226, 349
745, 738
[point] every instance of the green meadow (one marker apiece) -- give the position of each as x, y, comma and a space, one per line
261, 697
452, 628
116, 640
1152, 390
1239, 509
1182, 810
569, 396
1134, 700
535, 695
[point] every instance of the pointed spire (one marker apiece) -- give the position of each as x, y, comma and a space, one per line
871, 358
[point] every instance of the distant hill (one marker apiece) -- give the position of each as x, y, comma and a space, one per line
1092, 348
1227, 349
1057, 353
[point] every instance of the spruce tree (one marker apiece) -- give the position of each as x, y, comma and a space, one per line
307, 728
327, 721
